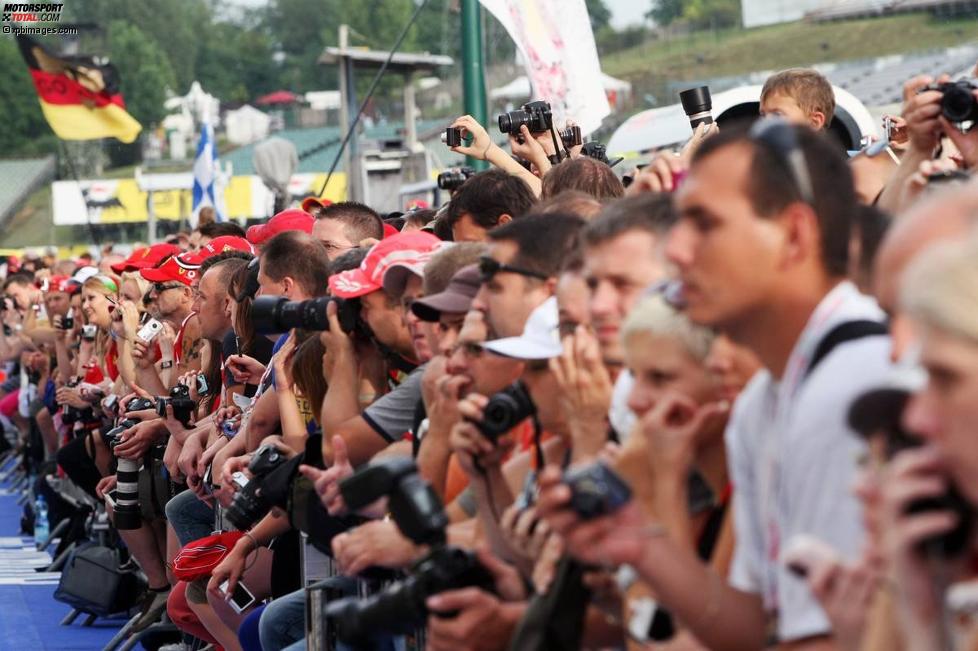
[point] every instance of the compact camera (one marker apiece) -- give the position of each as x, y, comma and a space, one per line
179, 399
505, 410
250, 504
596, 490
452, 137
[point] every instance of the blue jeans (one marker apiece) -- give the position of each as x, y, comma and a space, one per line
190, 518
283, 624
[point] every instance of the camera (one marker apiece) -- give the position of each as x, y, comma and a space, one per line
571, 136
697, 104
537, 117
596, 490
452, 178
958, 104
419, 514
250, 502
68, 320
183, 406
89, 331
277, 314
140, 404
71, 415
505, 410
127, 512
878, 412
452, 137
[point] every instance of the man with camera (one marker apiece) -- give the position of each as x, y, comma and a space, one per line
347, 362
485, 201
761, 251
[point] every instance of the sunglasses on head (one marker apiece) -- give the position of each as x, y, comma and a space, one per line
162, 287
489, 267
781, 139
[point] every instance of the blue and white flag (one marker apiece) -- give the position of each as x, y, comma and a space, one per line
207, 190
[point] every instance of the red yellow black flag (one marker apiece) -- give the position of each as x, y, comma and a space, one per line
79, 95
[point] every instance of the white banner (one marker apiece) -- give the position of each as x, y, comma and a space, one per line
557, 44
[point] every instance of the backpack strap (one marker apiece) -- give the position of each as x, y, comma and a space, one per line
840, 334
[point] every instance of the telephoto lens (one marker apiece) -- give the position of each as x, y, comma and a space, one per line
453, 178
127, 513
276, 314
697, 105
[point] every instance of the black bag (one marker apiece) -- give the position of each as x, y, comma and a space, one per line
93, 583
554, 620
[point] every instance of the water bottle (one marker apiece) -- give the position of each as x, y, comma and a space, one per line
41, 529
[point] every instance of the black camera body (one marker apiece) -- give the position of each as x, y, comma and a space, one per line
140, 404
277, 314
67, 322
420, 515
183, 406
537, 116
505, 410
250, 503
596, 490
452, 137
112, 437
958, 104
571, 136
453, 178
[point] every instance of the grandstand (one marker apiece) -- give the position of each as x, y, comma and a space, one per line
769, 12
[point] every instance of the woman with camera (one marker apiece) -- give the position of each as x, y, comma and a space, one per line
926, 535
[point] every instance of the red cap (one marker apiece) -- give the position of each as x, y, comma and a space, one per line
220, 245
180, 268
398, 249
287, 220
389, 231
309, 203
145, 257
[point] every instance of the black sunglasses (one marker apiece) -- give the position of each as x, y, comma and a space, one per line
781, 139
489, 267
162, 287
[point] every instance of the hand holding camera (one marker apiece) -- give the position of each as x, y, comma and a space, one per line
481, 142
479, 449
244, 369
327, 482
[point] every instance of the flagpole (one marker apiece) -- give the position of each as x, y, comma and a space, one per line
74, 174
473, 73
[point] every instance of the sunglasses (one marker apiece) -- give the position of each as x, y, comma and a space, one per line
159, 288
489, 267
781, 139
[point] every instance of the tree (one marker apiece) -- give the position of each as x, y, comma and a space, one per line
25, 131
599, 13
144, 70
712, 13
665, 12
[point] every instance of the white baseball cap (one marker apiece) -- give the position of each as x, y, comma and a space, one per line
540, 338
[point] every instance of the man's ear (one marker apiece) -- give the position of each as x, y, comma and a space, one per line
288, 283
817, 120
803, 240
504, 219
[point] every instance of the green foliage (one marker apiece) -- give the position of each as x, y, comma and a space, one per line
696, 13
25, 131
665, 12
144, 69
599, 13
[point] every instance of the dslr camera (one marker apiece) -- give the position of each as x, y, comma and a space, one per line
277, 314
127, 512
179, 399
419, 513
537, 117
250, 503
596, 490
958, 103
505, 410
453, 178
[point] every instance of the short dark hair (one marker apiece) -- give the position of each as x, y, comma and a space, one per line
585, 174
771, 187
350, 259
542, 241
220, 229
298, 256
651, 212
18, 278
359, 221
229, 263
488, 195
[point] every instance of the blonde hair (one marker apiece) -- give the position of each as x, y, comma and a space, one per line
654, 316
807, 87
141, 282
940, 288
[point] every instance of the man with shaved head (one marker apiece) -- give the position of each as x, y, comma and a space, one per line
943, 216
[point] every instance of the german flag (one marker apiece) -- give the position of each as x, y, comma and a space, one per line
79, 95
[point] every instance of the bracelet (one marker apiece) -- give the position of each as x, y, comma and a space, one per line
247, 534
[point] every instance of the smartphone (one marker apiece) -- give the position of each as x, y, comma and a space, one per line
202, 387
241, 598
804, 553
208, 486
149, 331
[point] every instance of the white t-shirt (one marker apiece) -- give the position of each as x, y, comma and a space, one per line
622, 418
793, 460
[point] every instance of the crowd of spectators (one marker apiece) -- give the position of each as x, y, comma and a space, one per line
726, 407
